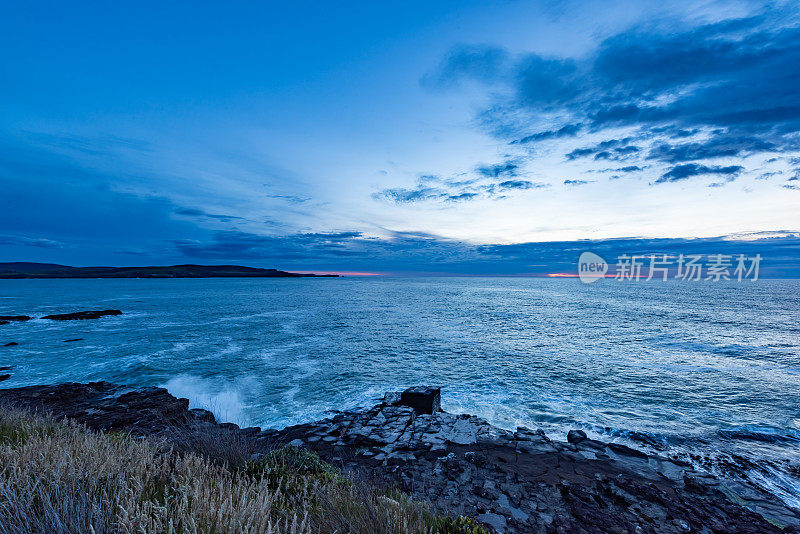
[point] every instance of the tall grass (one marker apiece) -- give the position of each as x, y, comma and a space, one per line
58, 477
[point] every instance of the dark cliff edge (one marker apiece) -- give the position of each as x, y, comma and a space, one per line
519, 481
49, 270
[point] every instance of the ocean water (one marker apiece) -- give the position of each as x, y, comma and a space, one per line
706, 371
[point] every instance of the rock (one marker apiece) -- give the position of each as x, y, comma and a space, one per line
515, 482
624, 449
7, 318
423, 399
106, 406
81, 315
4, 322
576, 436
7, 368
71, 340
11, 344
4, 377
497, 522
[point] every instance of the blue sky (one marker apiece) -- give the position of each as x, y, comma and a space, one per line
447, 137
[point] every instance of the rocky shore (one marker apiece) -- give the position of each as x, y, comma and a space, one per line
518, 481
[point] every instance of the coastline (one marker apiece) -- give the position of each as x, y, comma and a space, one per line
519, 481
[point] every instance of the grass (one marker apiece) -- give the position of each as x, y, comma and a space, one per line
59, 477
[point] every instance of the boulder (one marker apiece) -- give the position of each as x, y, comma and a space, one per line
4, 377
424, 399
81, 315
11, 344
576, 436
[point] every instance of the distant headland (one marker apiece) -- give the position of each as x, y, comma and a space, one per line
52, 270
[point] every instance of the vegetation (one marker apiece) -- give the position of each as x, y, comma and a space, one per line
61, 478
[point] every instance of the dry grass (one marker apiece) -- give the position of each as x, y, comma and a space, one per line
60, 478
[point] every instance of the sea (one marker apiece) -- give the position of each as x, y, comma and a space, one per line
709, 372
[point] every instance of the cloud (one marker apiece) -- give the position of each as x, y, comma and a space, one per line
576, 182
568, 130
518, 184
468, 62
400, 195
421, 252
717, 147
293, 199
610, 149
15, 240
244, 245
198, 213
687, 170
488, 181
497, 170
730, 84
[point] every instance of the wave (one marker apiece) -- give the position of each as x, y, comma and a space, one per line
225, 399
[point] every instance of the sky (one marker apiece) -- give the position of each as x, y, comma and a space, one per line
414, 138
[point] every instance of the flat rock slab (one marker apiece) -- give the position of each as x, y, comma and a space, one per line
82, 315
518, 481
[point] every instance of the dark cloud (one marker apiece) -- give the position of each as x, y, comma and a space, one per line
569, 130
717, 147
580, 152
517, 184
461, 197
779, 250
198, 213
490, 181
244, 245
687, 170
495, 171
733, 82
610, 149
420, 252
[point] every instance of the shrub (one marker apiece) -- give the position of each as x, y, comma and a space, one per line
58, 477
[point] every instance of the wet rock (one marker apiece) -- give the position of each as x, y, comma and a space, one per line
81, 315
628, 451
106, 406
8, 318
4, 322
576, 436
4, 377
515, 482
423, 399
11, 344
71, 340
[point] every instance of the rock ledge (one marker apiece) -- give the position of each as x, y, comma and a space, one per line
517, 481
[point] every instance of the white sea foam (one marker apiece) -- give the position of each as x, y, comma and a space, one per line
225, 399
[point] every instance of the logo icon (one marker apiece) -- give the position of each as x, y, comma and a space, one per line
591, 267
